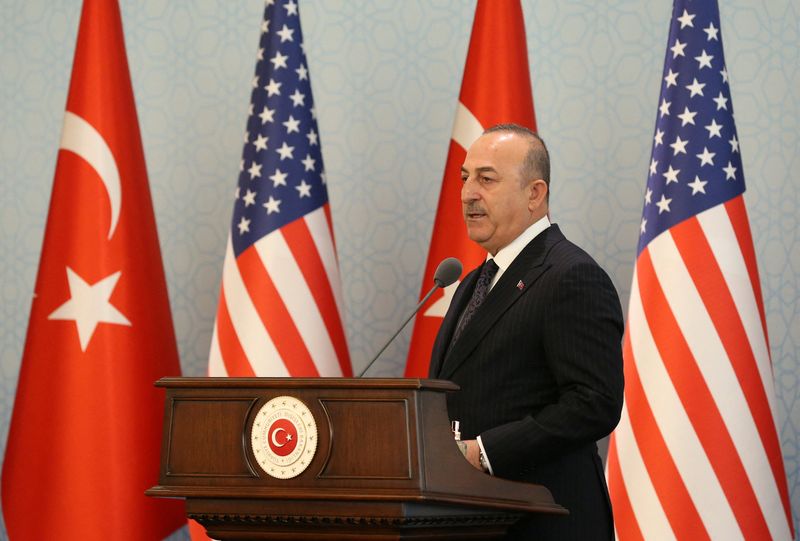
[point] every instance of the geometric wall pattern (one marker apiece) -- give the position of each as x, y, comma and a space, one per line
386, 76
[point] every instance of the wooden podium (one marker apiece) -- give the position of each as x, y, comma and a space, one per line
382, 464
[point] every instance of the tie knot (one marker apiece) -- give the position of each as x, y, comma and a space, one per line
489, 271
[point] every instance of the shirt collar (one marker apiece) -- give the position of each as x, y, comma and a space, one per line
507, 255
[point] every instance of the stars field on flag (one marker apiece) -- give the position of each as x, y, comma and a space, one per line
695, 163
281, 174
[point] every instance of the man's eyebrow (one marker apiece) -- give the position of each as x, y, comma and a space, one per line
484, 169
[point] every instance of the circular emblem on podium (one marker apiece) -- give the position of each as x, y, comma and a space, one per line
284, 437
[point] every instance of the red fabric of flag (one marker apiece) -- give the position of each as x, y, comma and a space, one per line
496, 89
85, 436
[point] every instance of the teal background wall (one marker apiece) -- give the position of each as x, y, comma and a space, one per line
385, 77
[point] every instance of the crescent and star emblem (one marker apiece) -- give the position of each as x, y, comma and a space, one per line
286, 439
89, 304
283, 437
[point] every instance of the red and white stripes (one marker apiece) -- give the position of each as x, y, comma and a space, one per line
280, 306
696, 454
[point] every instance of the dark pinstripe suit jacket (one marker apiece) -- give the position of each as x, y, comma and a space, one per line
540, 370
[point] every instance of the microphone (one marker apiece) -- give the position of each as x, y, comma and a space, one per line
448, 271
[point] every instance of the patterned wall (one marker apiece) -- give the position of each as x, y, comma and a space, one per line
386, 74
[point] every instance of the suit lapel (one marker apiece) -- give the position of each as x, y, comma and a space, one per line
526, 268
448, 327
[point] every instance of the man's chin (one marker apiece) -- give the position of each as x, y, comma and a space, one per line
477, 235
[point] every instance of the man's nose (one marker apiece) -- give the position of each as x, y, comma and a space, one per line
468, 191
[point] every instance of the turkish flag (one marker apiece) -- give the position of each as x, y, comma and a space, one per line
84, 442
496, 89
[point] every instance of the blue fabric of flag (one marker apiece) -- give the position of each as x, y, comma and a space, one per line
281, 174
695, 162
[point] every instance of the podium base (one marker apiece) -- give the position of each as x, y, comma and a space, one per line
345, 521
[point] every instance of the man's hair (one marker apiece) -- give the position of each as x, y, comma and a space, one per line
537, 160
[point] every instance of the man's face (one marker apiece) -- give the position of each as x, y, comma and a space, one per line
494, 199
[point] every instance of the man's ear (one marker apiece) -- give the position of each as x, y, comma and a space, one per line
538, 194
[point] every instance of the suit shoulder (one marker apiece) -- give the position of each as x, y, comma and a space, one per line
567, 253
569, 259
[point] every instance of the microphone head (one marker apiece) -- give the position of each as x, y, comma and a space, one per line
448, 271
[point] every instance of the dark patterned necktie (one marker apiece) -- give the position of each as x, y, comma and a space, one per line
485, 278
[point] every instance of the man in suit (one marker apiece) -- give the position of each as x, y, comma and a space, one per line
533, 337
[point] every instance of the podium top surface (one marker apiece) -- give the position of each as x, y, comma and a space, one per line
301, 383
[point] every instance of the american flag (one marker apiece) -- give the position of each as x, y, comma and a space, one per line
696, 454
280, 306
